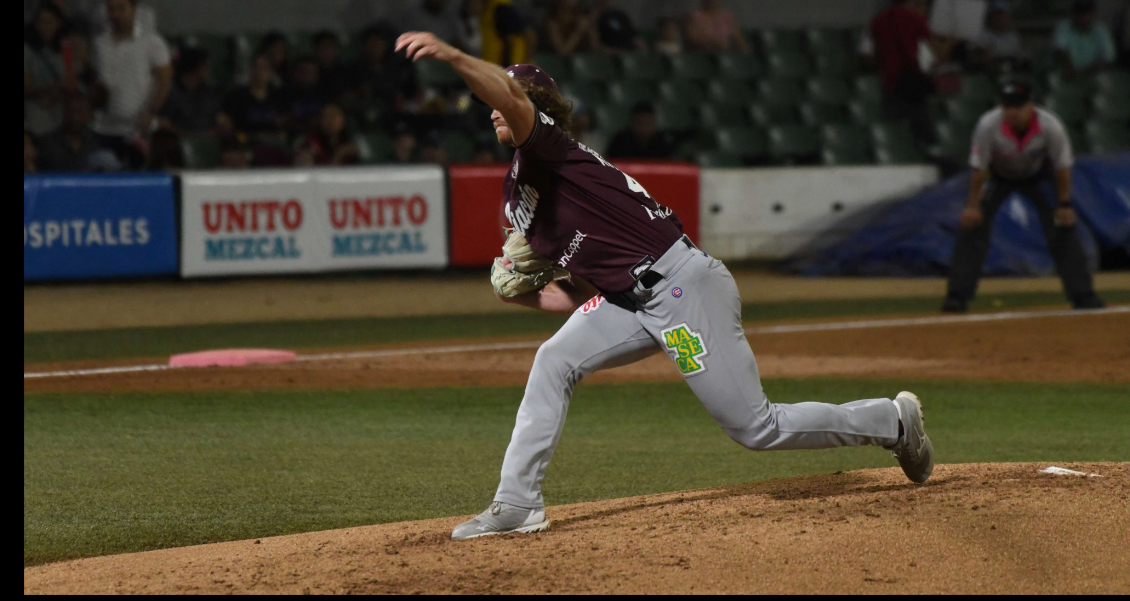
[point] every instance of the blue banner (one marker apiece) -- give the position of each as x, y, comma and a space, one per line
99, 226
916, 236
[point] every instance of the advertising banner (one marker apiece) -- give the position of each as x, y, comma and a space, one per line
313, 220
99, 226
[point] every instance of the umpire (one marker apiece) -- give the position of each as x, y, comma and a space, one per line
1016, 148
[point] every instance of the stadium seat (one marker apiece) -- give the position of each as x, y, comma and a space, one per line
828, 42
845, 145
244, 46
1113, 83
790, 65
647, 67
375, 147
831, 90
865, 112
781, 91
954, 131
611, 117
746, 142
777, 41
793, 144
739, 65
557, 67
673, 116
815, 114
300, 43
589, 92
978, 86
200, 152
459, 147
682, 90
630, 92
894, 144
1080, 86
964, 111
593, 67
837, 65
717, 159
436, 74
867, 87
1107, 138
220, 59
722, 115
696, 66
731, 91
846, 156
1110, 107
766, 114
1071, 109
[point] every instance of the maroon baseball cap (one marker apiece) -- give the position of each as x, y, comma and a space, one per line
530, 73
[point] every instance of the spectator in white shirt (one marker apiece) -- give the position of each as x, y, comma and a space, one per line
133, 65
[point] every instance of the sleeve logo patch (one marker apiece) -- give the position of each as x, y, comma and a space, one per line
686, 348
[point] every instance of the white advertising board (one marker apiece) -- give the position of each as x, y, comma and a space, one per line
313, 220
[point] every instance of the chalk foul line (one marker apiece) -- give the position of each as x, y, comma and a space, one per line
532, 344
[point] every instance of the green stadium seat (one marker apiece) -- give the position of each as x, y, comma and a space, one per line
790, 65
1060, 85
557, 67
350, 46
244, 46
1071, 109
717, 159
589, 92
459, 147
767, 114
965, 111
1113, 83
300, 43
776, 41
845, 145
1109, 107
837, 65
978, 86
647, 67
846, 156
868, 87
696, 66
611, 117
894, 144
831, 90
865, 112
682, 90
731, 91
954, 140
200, 152
793, 144
781, 91
221, 61
1107, 138
739, 65
593, 67
436, 74
374, 147
815, 114
716, 116
673, 116
631, 92
828, 42
746, 142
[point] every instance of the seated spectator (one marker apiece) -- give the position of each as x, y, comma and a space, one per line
485, 150
331, 144
583, 130
73, 147
615, 32
31, 154
403, 143
276, 48
44, 69
670, 40
257, 108
382, 79
193, 103
432, 150
133, 64
470, 33
303, 97
434, 16
333, 76
234, 154
713, 28
507, 40
999, 43
1083, 44
165, 152
568, 29
641, 139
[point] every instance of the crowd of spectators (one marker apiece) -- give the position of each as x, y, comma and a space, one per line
104, 91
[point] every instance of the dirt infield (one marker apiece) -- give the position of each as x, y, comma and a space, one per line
987, 528
1075, 348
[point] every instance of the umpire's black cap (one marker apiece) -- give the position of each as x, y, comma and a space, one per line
1015, 93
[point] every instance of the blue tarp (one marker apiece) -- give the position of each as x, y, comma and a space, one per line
916, 236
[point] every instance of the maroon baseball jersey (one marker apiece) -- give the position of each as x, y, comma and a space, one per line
578, 209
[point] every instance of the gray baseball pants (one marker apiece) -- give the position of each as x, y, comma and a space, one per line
694, 314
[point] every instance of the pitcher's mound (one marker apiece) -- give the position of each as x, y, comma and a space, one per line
981, 528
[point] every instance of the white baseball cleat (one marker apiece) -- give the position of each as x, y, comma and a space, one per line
914, 450
501, 518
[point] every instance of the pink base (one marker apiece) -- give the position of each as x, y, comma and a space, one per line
231, 357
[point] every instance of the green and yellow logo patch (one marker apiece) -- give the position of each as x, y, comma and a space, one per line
686, 347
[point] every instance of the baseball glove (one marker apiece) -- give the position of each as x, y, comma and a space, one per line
528, 272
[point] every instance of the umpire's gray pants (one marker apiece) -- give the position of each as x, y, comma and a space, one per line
699, 325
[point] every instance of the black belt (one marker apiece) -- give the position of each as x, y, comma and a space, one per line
628, 299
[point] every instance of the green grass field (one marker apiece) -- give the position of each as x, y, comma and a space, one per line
111, 473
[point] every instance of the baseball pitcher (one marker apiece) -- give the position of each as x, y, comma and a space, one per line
591, 241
